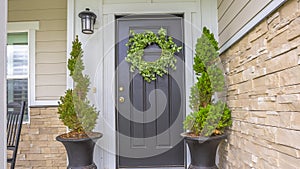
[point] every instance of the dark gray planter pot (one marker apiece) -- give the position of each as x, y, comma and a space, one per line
80, 152
203, 150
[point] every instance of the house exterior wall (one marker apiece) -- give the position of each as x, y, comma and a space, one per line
236, 18
51, 41
264, 94
38, 147
231, 15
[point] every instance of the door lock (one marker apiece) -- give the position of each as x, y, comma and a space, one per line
121, 89
121, 99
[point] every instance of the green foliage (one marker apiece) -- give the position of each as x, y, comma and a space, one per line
217, 119
194, 121
139, 41
74, 108
195, 98
208, 117
211, 38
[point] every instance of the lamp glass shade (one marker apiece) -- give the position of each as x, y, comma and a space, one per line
88, 20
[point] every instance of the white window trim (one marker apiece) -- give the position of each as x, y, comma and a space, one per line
30, 28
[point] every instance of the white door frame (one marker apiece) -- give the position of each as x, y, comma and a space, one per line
3, 24
109, 77
109, 16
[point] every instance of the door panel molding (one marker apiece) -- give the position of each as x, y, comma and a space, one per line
155, 142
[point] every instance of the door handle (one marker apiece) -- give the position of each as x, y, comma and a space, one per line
121, 99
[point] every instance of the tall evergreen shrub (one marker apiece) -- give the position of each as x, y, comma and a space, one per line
74, 108
210, 116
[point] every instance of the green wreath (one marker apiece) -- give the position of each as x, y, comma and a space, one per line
139, 41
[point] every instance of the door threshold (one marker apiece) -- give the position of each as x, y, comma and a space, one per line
156, 168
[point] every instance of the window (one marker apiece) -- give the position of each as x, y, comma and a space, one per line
21, 63
18, 68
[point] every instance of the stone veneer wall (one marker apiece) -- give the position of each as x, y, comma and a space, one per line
263, 71
38, 148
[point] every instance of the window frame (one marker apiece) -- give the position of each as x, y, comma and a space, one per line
30, 28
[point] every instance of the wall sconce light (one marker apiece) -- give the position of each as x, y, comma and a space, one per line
88, 20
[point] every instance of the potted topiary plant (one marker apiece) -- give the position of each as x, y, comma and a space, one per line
78, 115
211, 116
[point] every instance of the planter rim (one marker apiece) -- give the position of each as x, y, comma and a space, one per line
59, 138
203, 138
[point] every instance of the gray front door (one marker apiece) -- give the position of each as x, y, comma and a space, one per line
149, 115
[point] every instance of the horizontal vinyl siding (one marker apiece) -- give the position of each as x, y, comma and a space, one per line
232, 11
50, 36
55, 80
41, 15
15, 5
51, 40
54, 25
50, 69
46, 95
234, 14
224, 7
219, 2
50, 58
51, 46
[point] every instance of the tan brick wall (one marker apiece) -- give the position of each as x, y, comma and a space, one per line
263, 71
38, 148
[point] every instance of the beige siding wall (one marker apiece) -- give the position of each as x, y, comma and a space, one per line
264, 94
234, 14
51, 39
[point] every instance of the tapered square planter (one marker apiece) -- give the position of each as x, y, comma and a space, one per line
80, 151
203, 150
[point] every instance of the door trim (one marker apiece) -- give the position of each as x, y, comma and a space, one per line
192, 22
107, 97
